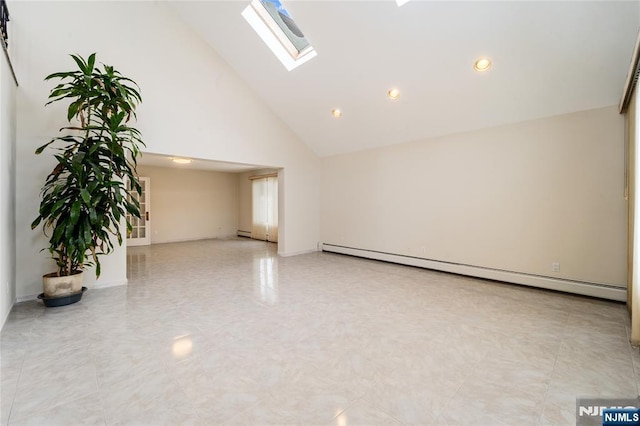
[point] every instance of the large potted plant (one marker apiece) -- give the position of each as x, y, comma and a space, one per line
84, 198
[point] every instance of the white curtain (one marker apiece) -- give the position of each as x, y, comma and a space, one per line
265, 209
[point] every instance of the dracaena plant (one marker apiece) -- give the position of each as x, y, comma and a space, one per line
85, 197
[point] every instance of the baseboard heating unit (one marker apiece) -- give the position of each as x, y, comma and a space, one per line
602, 291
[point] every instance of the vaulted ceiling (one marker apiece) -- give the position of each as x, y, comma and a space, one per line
549, 58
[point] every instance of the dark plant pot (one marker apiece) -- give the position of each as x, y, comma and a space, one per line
52, 302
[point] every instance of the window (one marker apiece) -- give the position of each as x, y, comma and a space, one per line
265, 208
278, 30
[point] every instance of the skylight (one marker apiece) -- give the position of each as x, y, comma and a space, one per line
278, 30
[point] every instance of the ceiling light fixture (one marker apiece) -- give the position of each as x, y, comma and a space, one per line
181, 160
393, 94
336, 113
401, 2
482, 64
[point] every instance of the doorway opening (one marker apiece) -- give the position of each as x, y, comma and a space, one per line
196, 199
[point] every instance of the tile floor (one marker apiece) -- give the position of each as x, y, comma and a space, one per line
225, 332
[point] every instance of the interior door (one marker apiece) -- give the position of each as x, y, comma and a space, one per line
140, 234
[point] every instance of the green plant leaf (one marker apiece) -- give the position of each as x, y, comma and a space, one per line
91, 62
86, 197
75, 212
81, 63
36, 222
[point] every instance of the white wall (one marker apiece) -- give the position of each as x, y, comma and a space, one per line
514, 198
194, 105
191, 204
7, 188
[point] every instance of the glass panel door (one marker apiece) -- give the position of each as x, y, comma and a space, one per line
140, 233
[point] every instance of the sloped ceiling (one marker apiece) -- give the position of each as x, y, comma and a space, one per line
549, 58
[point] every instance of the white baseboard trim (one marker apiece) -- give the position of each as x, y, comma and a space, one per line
188, 240
107, 284
244, 234
6, 316
26, 298
297, 253
602, 291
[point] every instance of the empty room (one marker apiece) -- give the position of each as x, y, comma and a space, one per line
376, 212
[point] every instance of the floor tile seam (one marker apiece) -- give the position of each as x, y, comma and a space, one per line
99, 388
605, 324
563, 337
103, 408
359, 399
551, 375
36, 411
66, 401
169, 369
564, 340
369, 388
206, 332
352, 401
321, 366
15, 391
498, 422
618, 318
268, 393
97, 384
13, 398
465, 380
51, 354
545, 399
636, 373
528, 393
540, 420
176, 381
363, 398
351, 404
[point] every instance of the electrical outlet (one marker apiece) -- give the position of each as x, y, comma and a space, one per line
555, 266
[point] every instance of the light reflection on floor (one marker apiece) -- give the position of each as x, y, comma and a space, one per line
267, 280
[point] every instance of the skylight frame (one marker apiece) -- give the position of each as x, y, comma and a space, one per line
274, 37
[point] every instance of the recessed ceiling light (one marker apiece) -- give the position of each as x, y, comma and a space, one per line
336, 113
393, 94
482, 64
181, 160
